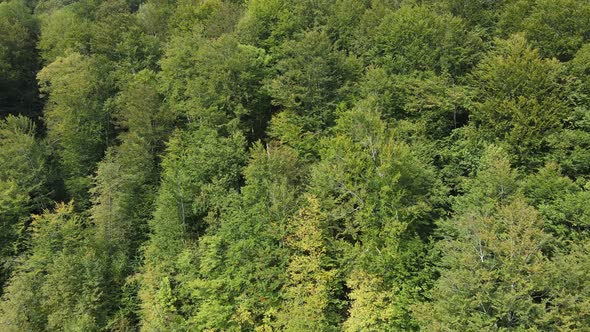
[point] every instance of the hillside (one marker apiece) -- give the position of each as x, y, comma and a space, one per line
310, 165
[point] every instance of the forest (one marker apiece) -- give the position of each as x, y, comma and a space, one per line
294, 165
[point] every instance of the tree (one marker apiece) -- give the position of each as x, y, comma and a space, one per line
519, 99
416, 38
491, 277
434, 104
61, 31
567, 287
123, 194
55, 286
117, 35
217, 17
344, 23
18, 62
78, 125
479, 13
557, 28
378, 199
270, 23
559, 201
216, 83
492, 257
186, 196
311, 78
308, 303
242, 259
570, 147
226, 89
23, 181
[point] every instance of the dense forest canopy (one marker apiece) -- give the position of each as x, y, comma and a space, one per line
310, 165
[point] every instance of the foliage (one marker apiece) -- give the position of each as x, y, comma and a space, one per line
18, 59
313, 165
22, 183
520, 99
78, 124
416, 38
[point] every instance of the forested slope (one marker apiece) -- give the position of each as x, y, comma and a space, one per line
309, 165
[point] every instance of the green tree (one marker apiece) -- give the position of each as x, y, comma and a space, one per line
492, 257
186, 195
344, 23
227, 88
480, 13
18, 59
491, 282
123, 195
519, 99
308, 292
118, 35
23, 181
416, 38
55, 286
312, 77
378, 198
217, 17
216, 83
78, 125
153, 17
61, 31
571, 146
242, 260
567, 287
560, 202
434, 104
557, 28
270, 23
